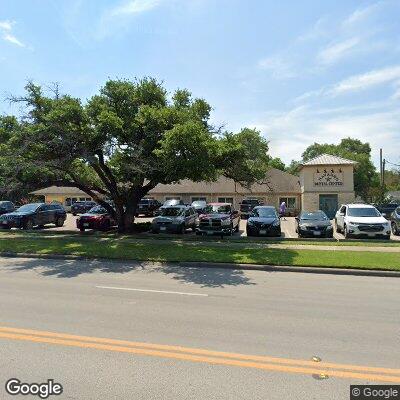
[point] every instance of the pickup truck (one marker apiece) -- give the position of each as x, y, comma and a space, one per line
218, 218
247, 205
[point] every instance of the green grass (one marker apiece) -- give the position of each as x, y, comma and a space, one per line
122, 248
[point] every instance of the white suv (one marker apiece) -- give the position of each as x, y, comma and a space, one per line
361, 220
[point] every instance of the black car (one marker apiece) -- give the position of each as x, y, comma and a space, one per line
263, 221
34, 214
147, 207
387, 209
6, 207
80, 207
314, 224
247, 205
395, 221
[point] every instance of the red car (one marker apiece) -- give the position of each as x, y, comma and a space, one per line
96, 218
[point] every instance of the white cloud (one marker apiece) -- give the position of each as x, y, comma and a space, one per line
279, 68
335, 52
367, 80
134, 7
6, 25
7, 35
291, 132
361, 14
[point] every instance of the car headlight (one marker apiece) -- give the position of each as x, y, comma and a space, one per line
329, 227
250, 222
225, 222
351, 223
276, 222
302, 226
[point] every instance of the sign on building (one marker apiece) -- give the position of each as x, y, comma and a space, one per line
328, 177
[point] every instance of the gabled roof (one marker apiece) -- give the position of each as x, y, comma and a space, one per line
276, 181
57, 190
328, 159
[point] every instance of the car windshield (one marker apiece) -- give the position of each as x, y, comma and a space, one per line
363, 212
172, 212
98, 210
171, 202
218, 209
28, 207
313, 216
200, 203
264, 213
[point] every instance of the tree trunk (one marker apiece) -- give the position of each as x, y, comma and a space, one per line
126, 217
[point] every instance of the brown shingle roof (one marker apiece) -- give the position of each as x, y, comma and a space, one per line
59, 190
276, 181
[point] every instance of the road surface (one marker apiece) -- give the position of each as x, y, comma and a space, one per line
100, 329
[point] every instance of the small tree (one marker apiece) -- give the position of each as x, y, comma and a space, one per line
128, 139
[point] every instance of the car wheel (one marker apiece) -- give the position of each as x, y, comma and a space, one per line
154, 231
28, 224
182, 229
395, 230
59, 222
248, 233
386, 237
106, 226
346, 233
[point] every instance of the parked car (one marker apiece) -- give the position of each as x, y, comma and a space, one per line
361, 220
314, 224
147, 207
97, 218
169, 203
34, 214
387, 209
218, 218
247, 205
80, 207
175, 218
263, 221
6, 207
395, 221
199, 206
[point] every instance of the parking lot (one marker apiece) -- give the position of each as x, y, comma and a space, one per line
287, 224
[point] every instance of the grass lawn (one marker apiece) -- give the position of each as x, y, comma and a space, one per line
126, 248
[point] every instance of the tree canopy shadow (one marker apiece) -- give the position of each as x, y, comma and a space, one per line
66, 269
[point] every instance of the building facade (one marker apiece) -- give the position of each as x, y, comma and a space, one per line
326, 182
323, 183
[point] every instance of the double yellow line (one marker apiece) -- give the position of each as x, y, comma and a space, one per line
266, 363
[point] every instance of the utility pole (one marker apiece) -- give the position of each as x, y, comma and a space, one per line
380, 166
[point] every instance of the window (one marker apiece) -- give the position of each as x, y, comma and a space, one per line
225, 200
68, 201
88, 199
290, 201
199, 199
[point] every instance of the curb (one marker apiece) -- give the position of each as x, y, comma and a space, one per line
246, 267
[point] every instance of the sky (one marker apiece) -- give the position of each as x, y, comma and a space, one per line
300, 71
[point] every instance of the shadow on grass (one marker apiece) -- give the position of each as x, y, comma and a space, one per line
205, 277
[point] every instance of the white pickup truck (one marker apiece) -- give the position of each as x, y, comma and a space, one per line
361, 220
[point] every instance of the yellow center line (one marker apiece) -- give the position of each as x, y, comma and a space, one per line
211, 357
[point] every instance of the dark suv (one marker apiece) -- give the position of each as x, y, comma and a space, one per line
395, 221
34, 214
6, 207
147, 207
80, 207
247, 205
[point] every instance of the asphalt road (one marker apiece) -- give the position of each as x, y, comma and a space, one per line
281, 317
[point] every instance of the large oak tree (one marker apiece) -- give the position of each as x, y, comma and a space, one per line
129, 138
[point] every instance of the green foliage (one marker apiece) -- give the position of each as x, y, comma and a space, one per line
127, 139
277, 163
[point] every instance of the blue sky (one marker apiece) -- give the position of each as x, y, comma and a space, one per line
300, 71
